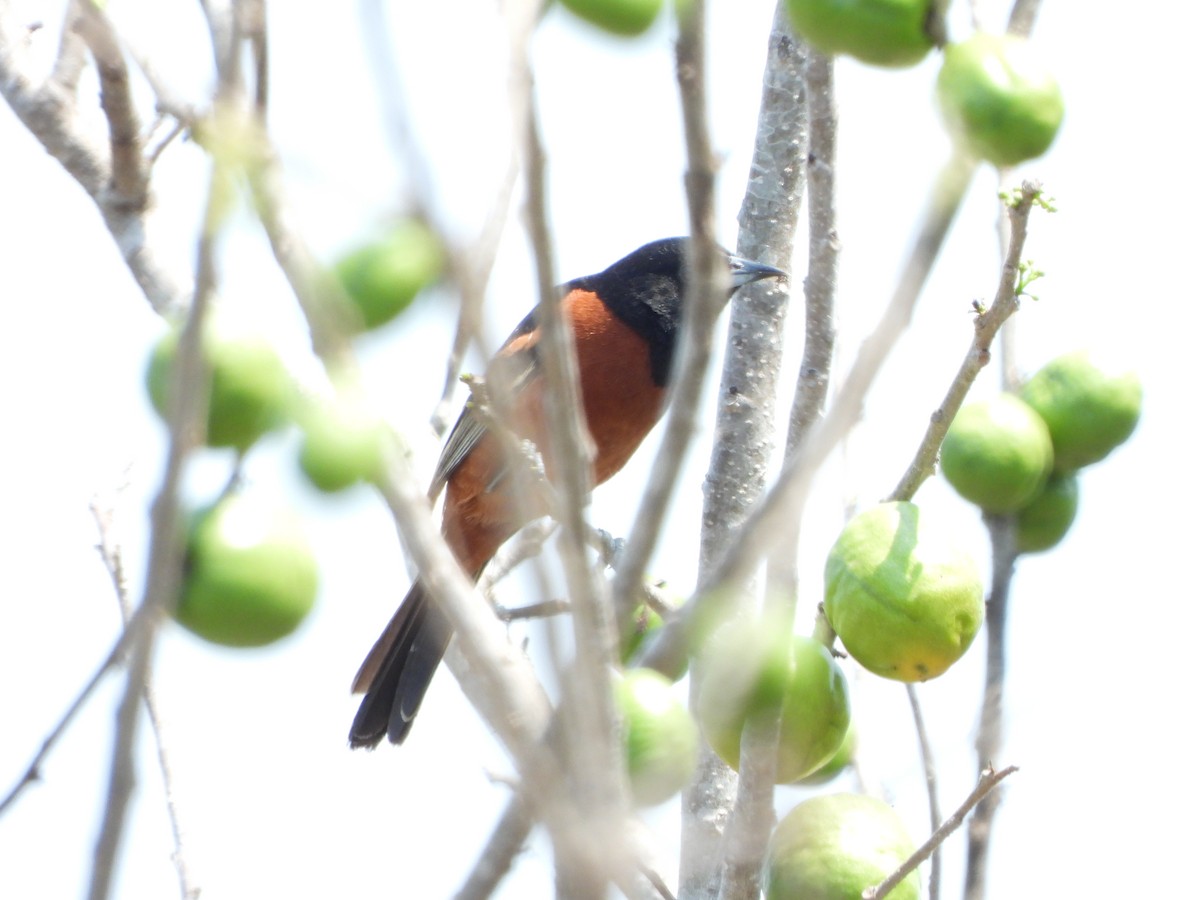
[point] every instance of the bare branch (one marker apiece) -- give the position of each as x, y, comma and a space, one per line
507, 840
927, 762
71, 59
988, 780
48, 111
987, 325
33, 770
1023, 16
110, 553
764, 526
129, 178
991, 714
187, 404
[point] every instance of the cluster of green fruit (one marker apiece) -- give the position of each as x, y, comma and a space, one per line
250, 577
999, 100
1019, 454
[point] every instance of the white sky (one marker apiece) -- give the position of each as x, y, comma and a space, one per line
273, 803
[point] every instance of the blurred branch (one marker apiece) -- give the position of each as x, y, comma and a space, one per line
592, 734
709, 797
706, 288
988, 780
110, 553
507, 840
1023, 16
71, 59
129, 179
187, 404
33, 772
48, 111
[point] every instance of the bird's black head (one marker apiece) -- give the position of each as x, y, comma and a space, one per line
645, 290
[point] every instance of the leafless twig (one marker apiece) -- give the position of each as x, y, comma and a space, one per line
110, 553
927, 762
987, 325
988, 780
187, 404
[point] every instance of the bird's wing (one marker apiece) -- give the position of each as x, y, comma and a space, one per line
519, 355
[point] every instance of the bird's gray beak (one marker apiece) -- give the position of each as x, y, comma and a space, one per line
745, 271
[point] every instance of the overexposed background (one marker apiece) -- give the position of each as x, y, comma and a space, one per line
272, 801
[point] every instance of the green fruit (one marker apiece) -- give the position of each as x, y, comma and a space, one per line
748, 670
645, 623
880, 32
997, 453
998, 98
1089, 407
382, 277
250, 576
661, 742
840, 759
1048, 517
834, 848
250, 392
627, 18
643, 628
903, 597
343, 444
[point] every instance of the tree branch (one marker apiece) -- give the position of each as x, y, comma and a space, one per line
987, 325
762, 529
187, 403
988, 780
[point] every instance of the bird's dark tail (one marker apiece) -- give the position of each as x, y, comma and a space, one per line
397, 672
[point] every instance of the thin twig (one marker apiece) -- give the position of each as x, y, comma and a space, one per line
129, 177
542, 610
69, 63
988, 780
187, 404
110, 553
595, 757
33, 771
507, 840
987, 325
927, 762
49, 114
706, 295
991, 715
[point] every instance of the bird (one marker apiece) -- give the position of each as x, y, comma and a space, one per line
625, 321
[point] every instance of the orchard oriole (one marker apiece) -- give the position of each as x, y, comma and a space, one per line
625, 321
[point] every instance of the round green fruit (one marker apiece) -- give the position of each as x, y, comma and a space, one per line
382, 277
835, 847
251, 390
343, 444
661, 742
840, 759
997, 453
747, 670
1048, 517
627, 18
998, 98
903, 597
881, 32
250, 576
1090, 407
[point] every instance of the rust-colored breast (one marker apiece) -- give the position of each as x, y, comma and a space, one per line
621, 404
